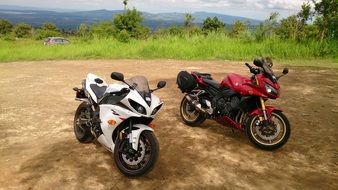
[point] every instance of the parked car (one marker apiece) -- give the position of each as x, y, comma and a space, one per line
56, 41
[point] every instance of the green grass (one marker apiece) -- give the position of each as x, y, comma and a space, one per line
213, 47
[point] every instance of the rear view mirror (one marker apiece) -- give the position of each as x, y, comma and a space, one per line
285, 71
117, 76
161, 84
258, 63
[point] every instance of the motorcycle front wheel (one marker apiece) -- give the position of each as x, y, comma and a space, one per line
270, 137
135, 163
189, 114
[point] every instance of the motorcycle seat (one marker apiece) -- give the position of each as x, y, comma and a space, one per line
98, 91
202, 74
213, 83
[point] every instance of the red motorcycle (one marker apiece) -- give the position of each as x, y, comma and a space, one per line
238, 102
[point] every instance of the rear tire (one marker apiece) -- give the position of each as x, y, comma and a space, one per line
148, 153
82, 131
189, 115
274, 140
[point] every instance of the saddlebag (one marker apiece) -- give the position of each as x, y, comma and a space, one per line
186, 82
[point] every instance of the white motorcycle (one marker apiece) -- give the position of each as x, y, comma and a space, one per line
119, 116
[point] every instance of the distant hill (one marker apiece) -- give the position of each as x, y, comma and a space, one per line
69, 19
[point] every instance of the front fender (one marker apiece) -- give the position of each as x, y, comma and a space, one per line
135, 134
269, 110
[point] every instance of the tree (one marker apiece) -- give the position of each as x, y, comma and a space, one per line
125, 2
213, 25
22, 30
48, 29
84, 31
104, 29
48, 26
188, 22
268, 27
327, 18
238, 28
5, 27
289, 28
175, 31
130, 21
305, 13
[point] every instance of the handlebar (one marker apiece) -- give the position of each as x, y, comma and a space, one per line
252, 70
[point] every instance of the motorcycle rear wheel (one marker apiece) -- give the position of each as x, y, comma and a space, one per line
189, 115
280, 125
148, 153
82, 131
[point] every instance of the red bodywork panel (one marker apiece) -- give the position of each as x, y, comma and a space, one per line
247, 87
269, 110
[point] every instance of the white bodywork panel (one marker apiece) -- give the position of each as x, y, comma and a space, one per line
91, 80
119, 114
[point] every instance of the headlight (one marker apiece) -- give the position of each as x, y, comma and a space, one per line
155, 110
138, 107
270, 89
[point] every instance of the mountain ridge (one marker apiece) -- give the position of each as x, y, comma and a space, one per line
72, 19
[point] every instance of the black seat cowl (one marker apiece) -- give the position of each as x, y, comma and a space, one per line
202, 74
213, 83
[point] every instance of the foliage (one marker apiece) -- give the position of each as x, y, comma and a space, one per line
238, 28
123, 36
175, 31
189, 19
130, 22
5, 27
84, 31
23, 30
268, 28
215, 46
103, 29
213, 25
327, 18
47, 30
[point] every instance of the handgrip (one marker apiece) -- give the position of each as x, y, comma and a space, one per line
247, 64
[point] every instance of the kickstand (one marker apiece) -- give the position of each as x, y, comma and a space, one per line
233, 131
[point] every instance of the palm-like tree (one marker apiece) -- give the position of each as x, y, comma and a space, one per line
125, 2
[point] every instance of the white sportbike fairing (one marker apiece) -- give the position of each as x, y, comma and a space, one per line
118, 112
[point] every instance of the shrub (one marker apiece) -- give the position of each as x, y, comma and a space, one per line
23, 30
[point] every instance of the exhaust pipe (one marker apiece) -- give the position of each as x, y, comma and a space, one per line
197, 105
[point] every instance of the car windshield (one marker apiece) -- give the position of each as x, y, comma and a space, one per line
140, 83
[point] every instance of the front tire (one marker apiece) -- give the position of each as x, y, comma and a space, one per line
141, 162
274, 136
189, 114
81, 130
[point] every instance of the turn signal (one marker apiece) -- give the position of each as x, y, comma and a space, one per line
153, 126
111, 122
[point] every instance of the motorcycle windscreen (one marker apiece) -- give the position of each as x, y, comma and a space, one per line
268, 71
141, 85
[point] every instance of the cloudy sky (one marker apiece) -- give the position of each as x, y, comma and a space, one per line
259, 9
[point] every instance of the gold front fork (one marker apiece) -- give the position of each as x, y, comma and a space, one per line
262, 105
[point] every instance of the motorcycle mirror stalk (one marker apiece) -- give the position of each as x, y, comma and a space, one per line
285, 72
119, 77
160, 84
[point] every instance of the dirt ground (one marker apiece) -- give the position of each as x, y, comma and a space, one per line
38, 149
